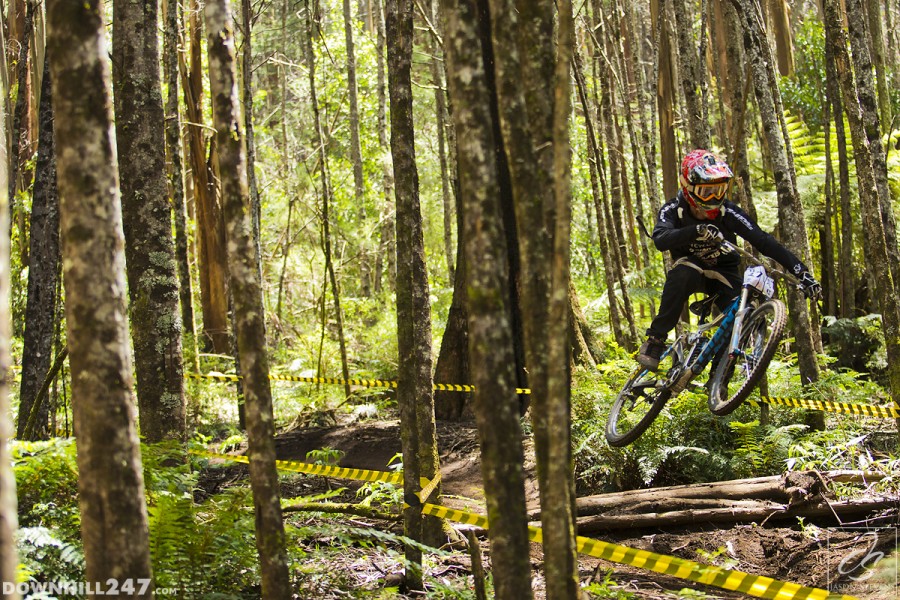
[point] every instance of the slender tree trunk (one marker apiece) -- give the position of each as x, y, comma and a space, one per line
690, 71
780, 23
876, 36
110, 478
387, 240
414, 395
149, 250
665, 98
175, 172
845, 260
40, 310
789, 208
875, 245
9, 560
489, 317
359, 183
326, 202
866, 90
20, 133
248, 308
443, 126
250, 143
210, 228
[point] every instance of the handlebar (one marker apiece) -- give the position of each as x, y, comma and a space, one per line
735, 248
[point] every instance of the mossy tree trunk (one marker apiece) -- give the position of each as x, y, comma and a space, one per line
490, 341
110, 478
530, 123
149, 248
43, 273
414, 395
248, 305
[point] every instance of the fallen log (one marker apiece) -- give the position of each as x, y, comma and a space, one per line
741, 512
790, 487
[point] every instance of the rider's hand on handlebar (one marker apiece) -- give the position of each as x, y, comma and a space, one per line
809, 287
709, 232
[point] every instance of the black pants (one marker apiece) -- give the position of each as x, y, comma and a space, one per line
681, 282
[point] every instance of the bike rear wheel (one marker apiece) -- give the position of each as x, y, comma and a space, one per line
637, 405
737, 375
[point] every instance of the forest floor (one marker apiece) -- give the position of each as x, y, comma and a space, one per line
810, 554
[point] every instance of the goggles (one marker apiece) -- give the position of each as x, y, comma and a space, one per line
709, 194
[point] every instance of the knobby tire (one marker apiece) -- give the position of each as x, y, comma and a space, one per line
654, 406
754, 360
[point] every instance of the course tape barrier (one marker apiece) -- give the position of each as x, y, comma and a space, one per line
869, 410
444, 387
738, 581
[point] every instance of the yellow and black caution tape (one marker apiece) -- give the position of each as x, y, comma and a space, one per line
869, 410
446, 387
753, 585
395, 477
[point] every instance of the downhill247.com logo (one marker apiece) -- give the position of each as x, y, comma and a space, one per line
110, 587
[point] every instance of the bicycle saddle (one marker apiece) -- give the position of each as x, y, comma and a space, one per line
703, 307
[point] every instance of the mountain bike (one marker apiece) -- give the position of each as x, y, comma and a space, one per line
743, 339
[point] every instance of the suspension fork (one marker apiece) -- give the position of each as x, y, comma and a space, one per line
742, 310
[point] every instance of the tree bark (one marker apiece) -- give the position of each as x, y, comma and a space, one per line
40, 310
149, 250
780, 22
527, 117
690, 71
387, 240
875, 246
248, 307
790, 210
210, 227
359, 183
414, 395
9, 560
490, 343
110, 480
665, 98
175, 171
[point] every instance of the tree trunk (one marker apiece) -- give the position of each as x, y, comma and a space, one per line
250, 143
665, 98
876, 37
9, 560
690, 70
175, 171
790, 210
527, 116
326, 203
359, 183
865, 85
210, 227
845, 260
40, 310
489, 308
875, 246
414, 396
110, 479
386, 236
780, 22
149, 250
248, 308
20, 148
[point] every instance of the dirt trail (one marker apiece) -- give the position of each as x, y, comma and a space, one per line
812, 556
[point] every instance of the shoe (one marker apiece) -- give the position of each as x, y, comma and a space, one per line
651, 350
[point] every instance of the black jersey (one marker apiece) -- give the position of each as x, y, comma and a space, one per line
676, 231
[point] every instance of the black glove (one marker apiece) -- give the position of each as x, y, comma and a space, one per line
709, 232
809, 287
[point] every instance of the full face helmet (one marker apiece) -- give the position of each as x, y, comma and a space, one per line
704, 181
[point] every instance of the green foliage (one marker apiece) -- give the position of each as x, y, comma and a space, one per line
804, 93
762, 450
607, 589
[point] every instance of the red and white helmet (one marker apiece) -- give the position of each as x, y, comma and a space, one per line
704, 181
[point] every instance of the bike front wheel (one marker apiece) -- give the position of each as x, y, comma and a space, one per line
738, 373
637, 405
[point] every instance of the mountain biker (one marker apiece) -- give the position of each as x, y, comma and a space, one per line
691, 226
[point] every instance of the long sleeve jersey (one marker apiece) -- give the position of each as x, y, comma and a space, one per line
676, 231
